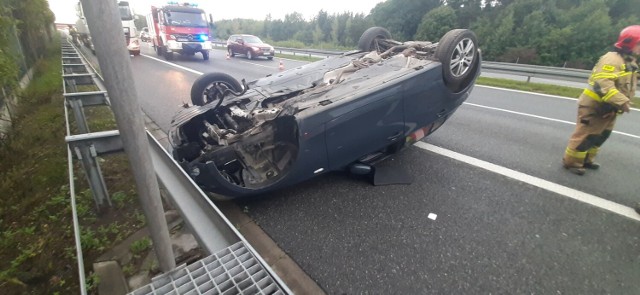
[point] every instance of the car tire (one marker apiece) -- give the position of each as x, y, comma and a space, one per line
135, 52
457, 51
368, 40
206, 81
205, 55
231, 53
167, 55
249, 54
270, 57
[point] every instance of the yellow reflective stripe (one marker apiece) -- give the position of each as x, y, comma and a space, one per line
609, 94
608, 68
604, 76
575, 154
592, 94
610, 75
594, 150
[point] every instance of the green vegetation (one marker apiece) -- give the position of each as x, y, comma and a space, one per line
37, 249
140, 246
569, 33
538, 88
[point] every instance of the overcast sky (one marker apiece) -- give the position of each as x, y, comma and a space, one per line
252, 9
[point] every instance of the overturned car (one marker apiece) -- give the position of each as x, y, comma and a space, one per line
343, 112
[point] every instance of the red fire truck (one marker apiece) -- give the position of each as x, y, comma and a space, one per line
179, 28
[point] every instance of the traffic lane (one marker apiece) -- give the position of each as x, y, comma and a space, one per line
162, 89
491, 234
543, 105
238, 67
535, 147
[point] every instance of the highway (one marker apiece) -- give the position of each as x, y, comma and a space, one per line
490, 209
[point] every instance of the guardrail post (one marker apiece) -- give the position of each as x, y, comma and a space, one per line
86, 152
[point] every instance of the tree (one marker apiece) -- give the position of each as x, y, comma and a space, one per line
402, 17
436, 23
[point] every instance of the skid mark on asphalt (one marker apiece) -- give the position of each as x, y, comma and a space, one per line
541, 117
535, 181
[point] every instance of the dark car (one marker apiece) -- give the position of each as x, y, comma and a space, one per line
249, 45
342, 113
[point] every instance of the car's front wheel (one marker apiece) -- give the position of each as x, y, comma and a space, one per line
457, 51
212, 87
205, 55
249, 54
231, 53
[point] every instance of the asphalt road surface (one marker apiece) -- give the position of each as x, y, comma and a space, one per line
490, 209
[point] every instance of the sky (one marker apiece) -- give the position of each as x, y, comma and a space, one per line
251, 9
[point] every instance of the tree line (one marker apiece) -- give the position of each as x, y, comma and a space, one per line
571, 33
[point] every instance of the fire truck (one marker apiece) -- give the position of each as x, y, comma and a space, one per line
127, 19
179, 28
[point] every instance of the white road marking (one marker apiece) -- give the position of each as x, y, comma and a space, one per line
173, 65
254, 64
432, 216
535, 181
534, 93
541, 117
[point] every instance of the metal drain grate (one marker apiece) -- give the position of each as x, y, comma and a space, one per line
233, 270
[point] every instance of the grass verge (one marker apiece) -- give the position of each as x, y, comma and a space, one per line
37, 249
538, 88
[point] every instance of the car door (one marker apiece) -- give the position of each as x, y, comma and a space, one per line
364, 126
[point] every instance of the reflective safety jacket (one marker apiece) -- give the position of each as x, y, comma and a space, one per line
612, 82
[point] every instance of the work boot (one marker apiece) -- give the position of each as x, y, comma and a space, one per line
592, 166
575, 170
637, 207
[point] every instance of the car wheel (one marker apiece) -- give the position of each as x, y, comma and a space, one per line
135, 52
205, 55
270, 57
211, 88
167, 55
249, 54
231, 53
369, 39
457, 51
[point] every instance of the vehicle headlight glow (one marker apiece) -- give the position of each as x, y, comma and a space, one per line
204, 37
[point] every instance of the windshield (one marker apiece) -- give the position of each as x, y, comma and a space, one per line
186, 19
125, 12
251, 39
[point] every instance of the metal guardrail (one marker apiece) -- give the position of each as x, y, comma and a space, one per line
213, 231
525, 70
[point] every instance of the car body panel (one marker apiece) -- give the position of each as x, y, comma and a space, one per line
335, 112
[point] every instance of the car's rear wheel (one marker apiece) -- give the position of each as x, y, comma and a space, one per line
369, 39
457, 51
205, 55
249, 54
212, 87
270, 57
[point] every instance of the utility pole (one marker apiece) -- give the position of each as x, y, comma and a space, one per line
103, 18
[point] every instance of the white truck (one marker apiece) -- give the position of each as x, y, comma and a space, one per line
128, 25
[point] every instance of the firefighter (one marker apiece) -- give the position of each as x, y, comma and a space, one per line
611, 84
